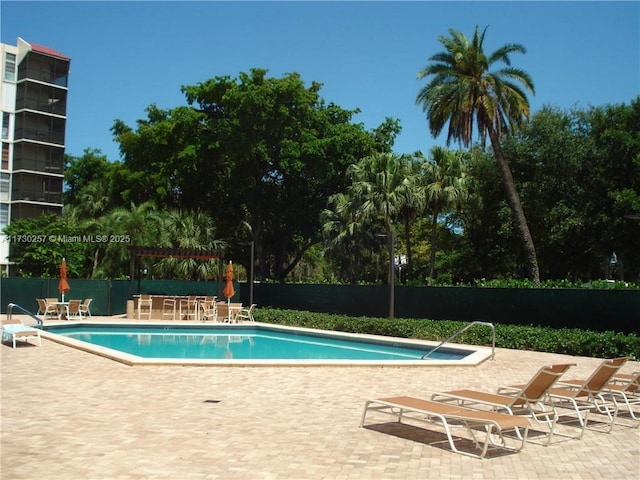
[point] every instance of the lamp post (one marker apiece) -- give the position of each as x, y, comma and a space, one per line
252, 243
392, 270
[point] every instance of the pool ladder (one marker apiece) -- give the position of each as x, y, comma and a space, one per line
493, 339
10, 308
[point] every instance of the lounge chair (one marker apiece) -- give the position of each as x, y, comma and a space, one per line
524, 400
450, 416
579, 395
625, 389
13, 330
246, 314
47, 309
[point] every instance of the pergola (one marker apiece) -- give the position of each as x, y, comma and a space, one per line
135, 253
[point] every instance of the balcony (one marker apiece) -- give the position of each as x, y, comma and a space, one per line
43, 98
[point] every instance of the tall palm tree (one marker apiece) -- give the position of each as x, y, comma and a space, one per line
380, 187
463, 91
446, 186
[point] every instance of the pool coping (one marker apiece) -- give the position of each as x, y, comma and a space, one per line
479, 353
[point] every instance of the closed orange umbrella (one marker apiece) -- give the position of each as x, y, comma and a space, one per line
63, 285
228, 290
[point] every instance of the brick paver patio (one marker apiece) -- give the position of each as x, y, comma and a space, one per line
71, 415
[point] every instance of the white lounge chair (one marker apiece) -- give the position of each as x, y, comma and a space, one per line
13, 330
520, 400
624, 389
579, 395
451, 416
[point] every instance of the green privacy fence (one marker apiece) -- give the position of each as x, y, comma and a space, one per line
617, 310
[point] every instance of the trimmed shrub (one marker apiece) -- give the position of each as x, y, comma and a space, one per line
569, 341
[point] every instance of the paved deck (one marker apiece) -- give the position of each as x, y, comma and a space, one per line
69, 415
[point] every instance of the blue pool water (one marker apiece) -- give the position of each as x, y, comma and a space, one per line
239, 342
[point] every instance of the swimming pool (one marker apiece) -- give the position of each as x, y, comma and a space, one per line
179, 344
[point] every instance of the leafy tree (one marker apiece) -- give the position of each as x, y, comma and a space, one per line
580, 175
91, 189
463, 91
39, 244
260, 150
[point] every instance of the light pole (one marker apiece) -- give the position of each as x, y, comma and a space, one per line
252, 243
391, 240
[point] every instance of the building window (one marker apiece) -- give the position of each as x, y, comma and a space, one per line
4, 186
5, 156
4, 215
10, 67
5, 125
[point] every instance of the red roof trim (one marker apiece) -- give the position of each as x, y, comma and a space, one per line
47, 51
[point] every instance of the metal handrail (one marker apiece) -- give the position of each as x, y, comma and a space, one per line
493, 340
11, 306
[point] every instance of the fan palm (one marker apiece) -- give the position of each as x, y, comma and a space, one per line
463, 91
446, 185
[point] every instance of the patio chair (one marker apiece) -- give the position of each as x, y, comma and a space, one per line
246, 314
13, 329
47, 309
449, 416
169, 308
144, 306
73, 309
579, 395
42, 305
523, 400
84, 307
209, 309
188, 308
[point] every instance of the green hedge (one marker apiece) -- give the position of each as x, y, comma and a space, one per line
569, 341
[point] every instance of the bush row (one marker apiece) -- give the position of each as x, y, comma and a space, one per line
569, 341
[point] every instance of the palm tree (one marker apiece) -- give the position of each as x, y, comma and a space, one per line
194, 230
380, 188
343, 231
446, 186
414, 201
463, 91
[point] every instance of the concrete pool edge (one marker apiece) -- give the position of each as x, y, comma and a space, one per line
478, 354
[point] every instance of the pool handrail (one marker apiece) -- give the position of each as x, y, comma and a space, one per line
476, 322
10, 308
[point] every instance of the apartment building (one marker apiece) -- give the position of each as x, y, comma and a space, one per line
33, 99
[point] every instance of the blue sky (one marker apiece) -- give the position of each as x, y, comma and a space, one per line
128, 55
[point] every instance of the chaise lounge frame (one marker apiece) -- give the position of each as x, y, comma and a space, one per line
580, 395
521, 400
451, 416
